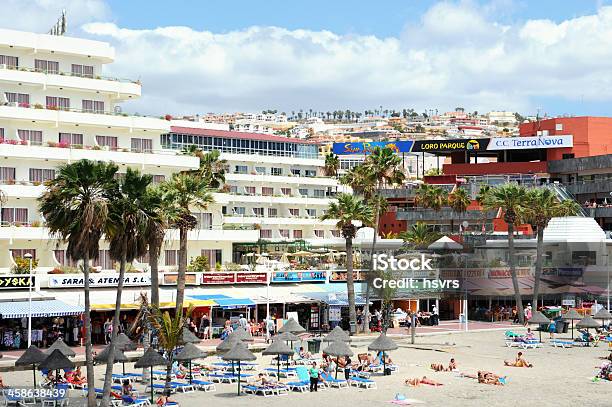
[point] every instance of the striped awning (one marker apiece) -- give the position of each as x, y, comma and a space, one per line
46, 308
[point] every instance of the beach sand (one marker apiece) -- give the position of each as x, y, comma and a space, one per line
560, 377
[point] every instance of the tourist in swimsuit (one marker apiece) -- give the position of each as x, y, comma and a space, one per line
518, 362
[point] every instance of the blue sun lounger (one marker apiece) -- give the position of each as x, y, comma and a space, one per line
333, 382
363, 383
204, 385
183, 387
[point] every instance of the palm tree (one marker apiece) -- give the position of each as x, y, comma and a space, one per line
133, 207
360, 180
181, 193
420, 235
156, 231
76, 207
213, 168
510, 198
541, 205
332, 164
348, 210
458, 200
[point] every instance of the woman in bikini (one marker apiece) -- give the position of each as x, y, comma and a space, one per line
518, 362
424, 380
439, 367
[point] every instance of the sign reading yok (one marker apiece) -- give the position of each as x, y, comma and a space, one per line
8, 282
99, 280
367, 147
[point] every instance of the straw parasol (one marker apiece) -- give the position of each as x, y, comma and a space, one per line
60, 345
337, 334
538, 318
587, 322
189, 337
292, 326
288, 337
149, 359
572, 315
338, 348
603, 314
383, 344
189, 353
239, 353
119, 356
124, 343
278, 348
32, 356
56, 361
243, 334
227, 344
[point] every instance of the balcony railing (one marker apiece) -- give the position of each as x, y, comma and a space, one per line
40, 106
64, 145
62, 73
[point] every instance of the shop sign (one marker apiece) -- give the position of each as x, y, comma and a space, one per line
403, 146
441, 146
11, 282
172, 278
505, 272
461, 273
252, 278
340, 276
297, 276
218, 278
570, 272
99, 280
527, 143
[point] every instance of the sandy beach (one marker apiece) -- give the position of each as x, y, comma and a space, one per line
560, 377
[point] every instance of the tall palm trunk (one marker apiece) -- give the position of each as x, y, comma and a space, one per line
182, 268
170, 357
538, 267
350, 282
366, 315
111, 355
91, 391
154, 248
515, 283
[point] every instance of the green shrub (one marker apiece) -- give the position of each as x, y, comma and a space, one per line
199, 264
22, 265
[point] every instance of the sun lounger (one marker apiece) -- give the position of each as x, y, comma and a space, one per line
530, 344
263, 390
119, 378
558, 343
333, 382
183, 387
361, 382
204, 385
161, 375
301, 386
228, 366
286, 373
160, 387
135, 376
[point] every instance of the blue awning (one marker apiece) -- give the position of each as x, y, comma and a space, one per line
229, 303
334, 299
46, 308
208, 296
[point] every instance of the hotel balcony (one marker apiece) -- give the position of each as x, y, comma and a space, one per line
271, 159
282, 179
56, 117
444, 214
119, 89
226, 198
539, 167
262, 220
145, 160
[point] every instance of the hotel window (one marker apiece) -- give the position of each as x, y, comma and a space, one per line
260, 170
56, 102
33, 136
286, 191
296, 172
250, 190
204, 220
303, 191
284, 233
63, 259
158, 179
171, 257
42, 65
297, 234
22, 252
319, 233
214, 256
9, 61
233, 189
267, 191
82, 70
272, 212
259, 212
310, 173
22, 99
239, 210
294, 212
104, 260
107, 141
241, 169
18, 216
265, 233
71, 138
311, 212
558, 126
93, 106
41, 174
7, 173
319, 193
276, 171
335, 233
142, 145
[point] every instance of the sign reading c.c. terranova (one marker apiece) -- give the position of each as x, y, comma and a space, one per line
100, 280
526, 143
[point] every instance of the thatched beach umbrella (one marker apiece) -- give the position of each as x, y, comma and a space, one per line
338, 348
337, 334
56, 361
243, 334
292, 326
239, 353
189, 337
603, 314
119, 356
32, 356
278, 348
288, 337
60, 345
587, 322
572, 315
124, 343
383, 344
538, 318
189, 353
149, 359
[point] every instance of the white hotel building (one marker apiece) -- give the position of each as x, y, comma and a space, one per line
57, 106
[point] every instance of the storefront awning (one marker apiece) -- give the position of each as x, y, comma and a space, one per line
47, 308
334, 299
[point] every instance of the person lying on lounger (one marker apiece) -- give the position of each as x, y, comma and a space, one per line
264, 381
304, 354
424, 380
164, 399
518, 362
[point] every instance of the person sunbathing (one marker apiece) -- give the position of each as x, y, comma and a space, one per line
490, 378
262, 380
304, 354
518, 362
438, 367
2, 385
164, 400
452, 365
77, 377
424, 380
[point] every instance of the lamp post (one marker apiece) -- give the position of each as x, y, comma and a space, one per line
29, 257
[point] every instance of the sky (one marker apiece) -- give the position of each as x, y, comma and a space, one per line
198, 56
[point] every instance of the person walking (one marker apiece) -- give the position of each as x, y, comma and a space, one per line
527, 314
204, 327
435, 315
314, 373
243, 322
108, 330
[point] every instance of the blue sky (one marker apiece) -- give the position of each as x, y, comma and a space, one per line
244, 55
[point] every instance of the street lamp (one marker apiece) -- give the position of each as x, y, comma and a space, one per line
29, 257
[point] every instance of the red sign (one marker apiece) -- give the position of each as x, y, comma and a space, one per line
254, 278
218, 278
505, 272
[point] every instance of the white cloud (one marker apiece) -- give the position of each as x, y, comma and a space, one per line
457, 54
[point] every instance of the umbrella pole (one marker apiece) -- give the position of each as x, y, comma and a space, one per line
238, 377
190, 374
151, 383
572, 329
384, 364
34, 373
123, 363
278, 368
233, 367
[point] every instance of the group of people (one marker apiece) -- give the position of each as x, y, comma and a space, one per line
75, 377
